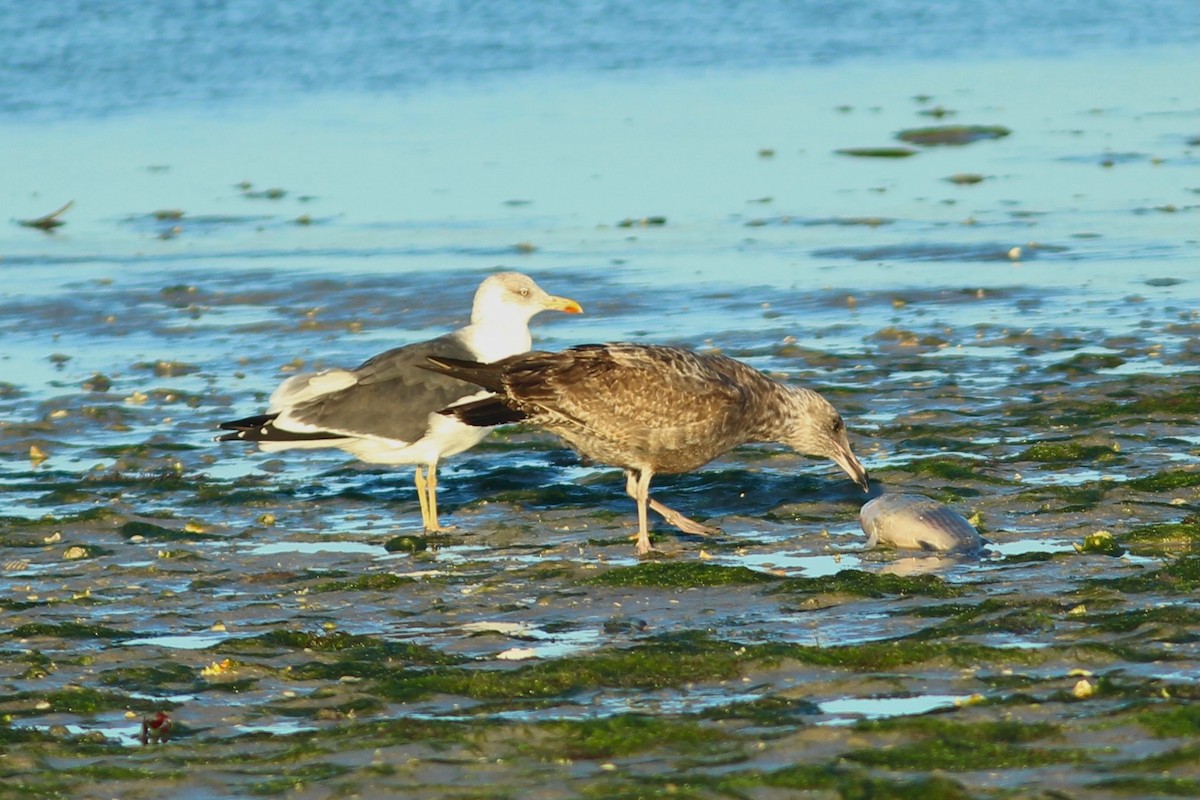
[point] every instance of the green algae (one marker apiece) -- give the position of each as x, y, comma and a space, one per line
244, 495
98, 514
869, 584
355, 646
1178, 403
670, 660
375, 582
1072, 452
949, 469
1071, 499
938, 610
848, 783
1146, 786
116, 772
1182, 721
148, 679
1020, 620
1006, 731
877, 152
1179, 576
83, 700
622, 735
952, 135
1161, 762
546, 495
1129, 621
297, 777
960, 747
373, 733
1167, 481
680, 575
766, 711
955, 755
891, 654
357, 706
1149, 398
16, 786
10, 735
143, 449
65, 496
1086, 363
148, 530
1166, 538
68, 630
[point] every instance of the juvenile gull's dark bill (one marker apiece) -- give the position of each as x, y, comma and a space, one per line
651, 409
385, 410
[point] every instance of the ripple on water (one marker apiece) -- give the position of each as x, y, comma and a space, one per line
124, 732
276, 728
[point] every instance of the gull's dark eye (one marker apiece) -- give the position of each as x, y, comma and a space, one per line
838, 425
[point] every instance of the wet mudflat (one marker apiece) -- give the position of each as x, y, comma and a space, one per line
1024, 348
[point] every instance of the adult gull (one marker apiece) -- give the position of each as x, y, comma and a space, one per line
651, 409
385, 410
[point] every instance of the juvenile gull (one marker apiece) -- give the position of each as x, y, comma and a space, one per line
650, 409
385, 411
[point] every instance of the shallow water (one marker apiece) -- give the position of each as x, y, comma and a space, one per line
1024, 348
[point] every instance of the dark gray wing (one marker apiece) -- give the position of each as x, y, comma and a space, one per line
393, 397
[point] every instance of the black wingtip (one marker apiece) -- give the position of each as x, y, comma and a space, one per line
447, 365
261, 428
486, 375
485, 413
247, 423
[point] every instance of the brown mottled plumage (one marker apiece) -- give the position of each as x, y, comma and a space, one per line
651, 409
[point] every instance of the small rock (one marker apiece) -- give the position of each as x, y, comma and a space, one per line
1100, 543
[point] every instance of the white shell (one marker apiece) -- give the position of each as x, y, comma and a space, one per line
916, 522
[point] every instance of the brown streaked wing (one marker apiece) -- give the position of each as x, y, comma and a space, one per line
647, 395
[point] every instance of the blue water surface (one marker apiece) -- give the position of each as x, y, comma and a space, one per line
84, 58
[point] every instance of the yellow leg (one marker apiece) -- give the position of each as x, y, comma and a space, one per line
423, 499
432, 524
429, 509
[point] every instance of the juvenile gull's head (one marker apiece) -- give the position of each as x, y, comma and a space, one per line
813, 427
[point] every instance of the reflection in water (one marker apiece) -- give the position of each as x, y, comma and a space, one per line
309, 548
848, 710
188, 641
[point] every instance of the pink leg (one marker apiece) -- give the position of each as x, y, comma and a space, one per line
672, 516
639, 489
